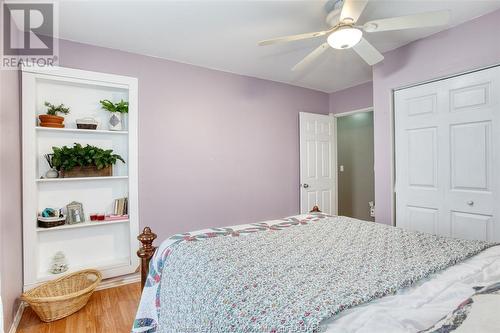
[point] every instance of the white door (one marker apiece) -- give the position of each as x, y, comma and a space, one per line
448, 156
317, 179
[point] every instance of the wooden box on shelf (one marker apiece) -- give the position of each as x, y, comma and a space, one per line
87, 171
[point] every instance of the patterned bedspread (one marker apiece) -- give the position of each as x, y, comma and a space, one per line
285, 276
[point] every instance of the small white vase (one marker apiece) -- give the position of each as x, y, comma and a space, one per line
115, 121
52, 173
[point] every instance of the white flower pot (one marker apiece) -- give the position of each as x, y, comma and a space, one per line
52, 173
115, 121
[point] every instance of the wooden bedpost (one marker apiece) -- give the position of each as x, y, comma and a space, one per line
315, 210
146, 252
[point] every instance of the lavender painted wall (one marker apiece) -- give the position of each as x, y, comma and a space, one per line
10, 197
354, 98
465, 47
214, 148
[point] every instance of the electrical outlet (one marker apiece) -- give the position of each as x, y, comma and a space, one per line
372, 208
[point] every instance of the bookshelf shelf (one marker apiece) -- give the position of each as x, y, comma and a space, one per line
81, 225
76, 130
108, 246
79, 179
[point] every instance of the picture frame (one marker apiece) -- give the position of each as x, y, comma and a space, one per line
74, 213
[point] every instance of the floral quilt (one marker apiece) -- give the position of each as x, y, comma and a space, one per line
286, 275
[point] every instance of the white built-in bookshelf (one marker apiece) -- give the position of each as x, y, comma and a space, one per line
108, 246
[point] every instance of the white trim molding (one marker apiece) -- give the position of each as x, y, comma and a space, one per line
17, 317
119, 281
348, 113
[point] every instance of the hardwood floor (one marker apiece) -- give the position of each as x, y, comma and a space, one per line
108, 311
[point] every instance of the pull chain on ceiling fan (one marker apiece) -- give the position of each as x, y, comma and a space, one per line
345, 33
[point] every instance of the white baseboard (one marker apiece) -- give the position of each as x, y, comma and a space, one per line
119, 281
17, 317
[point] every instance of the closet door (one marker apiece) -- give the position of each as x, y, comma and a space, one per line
447, 156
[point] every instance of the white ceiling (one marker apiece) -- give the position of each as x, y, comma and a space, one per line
223, 34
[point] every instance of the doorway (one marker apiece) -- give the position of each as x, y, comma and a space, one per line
355, 164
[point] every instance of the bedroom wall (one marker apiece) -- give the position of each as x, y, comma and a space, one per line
10, 197
462, 48
215, 148
350, 99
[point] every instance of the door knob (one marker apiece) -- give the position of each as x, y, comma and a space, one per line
305, 185
470, 203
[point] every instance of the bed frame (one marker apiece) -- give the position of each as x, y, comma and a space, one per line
147, 249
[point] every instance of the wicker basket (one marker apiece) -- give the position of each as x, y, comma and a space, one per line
52, 224
59, 298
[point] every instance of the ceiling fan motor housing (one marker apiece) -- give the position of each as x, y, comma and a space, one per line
344, 37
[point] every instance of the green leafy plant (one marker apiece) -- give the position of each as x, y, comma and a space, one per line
54, 110
67, 158
121, 106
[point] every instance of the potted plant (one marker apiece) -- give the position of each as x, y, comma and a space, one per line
51, 119
117, 110
80, 161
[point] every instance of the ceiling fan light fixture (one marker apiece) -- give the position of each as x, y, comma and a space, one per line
344, 38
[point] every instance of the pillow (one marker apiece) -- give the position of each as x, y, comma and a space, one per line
479, 313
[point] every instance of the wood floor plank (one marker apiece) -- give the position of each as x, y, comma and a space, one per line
108, 310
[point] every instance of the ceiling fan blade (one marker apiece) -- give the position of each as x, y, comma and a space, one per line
311, 57
430, 19
352, 9
294, 37
367, 52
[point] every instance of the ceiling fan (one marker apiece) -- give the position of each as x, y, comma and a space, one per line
345, 33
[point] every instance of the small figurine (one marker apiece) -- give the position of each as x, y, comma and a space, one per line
49, 212
59, 263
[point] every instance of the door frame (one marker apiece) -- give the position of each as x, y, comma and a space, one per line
335, 148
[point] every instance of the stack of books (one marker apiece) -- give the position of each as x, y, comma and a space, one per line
121, 207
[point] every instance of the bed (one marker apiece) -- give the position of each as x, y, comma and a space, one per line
310, 273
